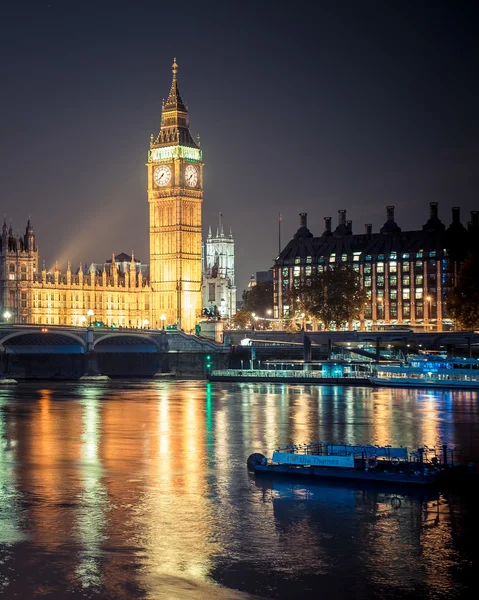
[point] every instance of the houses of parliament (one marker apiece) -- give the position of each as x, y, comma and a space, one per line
122, 291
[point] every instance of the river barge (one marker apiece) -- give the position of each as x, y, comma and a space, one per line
326, 372
380, 464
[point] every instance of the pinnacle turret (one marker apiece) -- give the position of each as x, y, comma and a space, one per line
174, 119
174, 101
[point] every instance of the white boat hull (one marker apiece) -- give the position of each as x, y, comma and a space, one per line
424, 383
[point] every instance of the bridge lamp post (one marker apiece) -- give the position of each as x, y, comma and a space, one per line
7, 314
90, 314
163, 319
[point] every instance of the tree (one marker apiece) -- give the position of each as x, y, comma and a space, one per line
242, 319
463, 301
259, 298
333, 296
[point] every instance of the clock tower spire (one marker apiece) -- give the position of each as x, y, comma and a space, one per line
175, 196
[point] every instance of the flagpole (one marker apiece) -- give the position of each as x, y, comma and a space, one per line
280, 218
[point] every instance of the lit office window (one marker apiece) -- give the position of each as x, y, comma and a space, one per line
380, 267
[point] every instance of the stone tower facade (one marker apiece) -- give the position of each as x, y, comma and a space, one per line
219, 288
175, 196
18, 270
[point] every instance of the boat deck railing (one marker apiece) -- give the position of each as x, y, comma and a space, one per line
287, 373
433, 457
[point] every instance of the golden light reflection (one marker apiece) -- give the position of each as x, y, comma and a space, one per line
181, 427
94, 502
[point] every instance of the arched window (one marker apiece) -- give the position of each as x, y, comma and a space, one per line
23, 272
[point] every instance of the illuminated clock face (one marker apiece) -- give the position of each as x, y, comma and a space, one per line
191, 175
162, 175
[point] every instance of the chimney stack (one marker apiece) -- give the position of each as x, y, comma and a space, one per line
327, 224
390, 213
350, 226
433, 210
342, 217
456, 214
368, 229
303, 219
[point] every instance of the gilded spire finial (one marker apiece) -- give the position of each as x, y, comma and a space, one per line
175, 68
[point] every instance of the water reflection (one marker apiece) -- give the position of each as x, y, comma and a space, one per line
140, 490
93, 499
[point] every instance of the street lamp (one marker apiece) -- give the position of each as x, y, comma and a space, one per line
427, 316
7, 314
90, 314
163, 319
269, 312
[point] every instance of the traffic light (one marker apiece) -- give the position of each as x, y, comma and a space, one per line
208, 362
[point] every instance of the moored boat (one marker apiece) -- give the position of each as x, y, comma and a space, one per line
382, 464
429, 371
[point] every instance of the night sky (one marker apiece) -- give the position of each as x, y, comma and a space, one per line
301, 107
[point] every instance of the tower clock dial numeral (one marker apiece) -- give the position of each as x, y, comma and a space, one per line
191, 175
162, 175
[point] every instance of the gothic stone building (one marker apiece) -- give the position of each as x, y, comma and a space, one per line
118, 292
219, 288
406, 274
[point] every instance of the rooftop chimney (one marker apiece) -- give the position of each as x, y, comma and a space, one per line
350, 226
327, 224
456, 214
303, 219
433, 210
342, 217
368, 228
390, 213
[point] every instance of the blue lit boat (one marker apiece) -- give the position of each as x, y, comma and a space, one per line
429, 371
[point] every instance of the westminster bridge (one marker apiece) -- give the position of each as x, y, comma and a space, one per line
53, 351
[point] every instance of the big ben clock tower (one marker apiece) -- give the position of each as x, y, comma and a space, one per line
175, 194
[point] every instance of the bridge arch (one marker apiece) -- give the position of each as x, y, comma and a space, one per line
38, 338
118, 341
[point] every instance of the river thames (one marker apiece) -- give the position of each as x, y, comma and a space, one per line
139, 489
